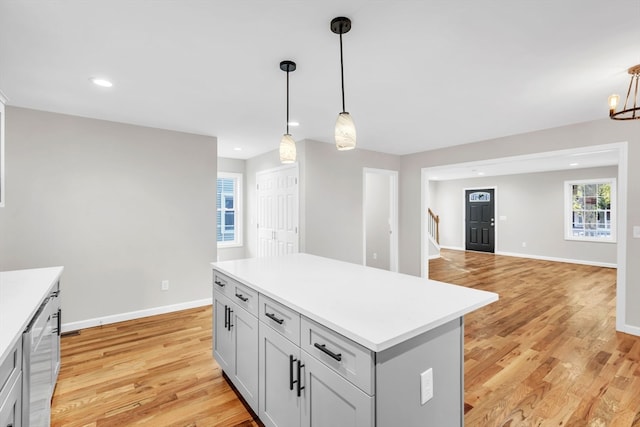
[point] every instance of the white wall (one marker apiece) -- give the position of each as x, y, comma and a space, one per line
122, 207
604, 131
533, 207
235, 166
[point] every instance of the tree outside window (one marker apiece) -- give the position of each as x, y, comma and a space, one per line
591, 210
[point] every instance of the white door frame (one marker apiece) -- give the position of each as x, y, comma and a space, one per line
393, 209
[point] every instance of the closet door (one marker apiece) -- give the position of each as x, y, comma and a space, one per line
278, 211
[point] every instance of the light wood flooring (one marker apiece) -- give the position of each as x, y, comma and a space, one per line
545, 354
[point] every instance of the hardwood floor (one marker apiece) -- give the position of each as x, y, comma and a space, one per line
546, 354
157, 371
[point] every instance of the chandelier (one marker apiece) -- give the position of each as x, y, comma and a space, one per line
628, 111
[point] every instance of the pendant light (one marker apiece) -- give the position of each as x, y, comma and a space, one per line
345, 131
287, 144
630, 112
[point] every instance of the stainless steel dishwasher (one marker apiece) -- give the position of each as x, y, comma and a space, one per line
38, 353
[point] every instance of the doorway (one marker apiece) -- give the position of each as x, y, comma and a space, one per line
480, 220
380, 218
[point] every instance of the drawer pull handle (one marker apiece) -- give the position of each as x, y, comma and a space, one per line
226, 317
242, 297
230, 324
299, 380
323, 348
219, 283
291, 380
274, 318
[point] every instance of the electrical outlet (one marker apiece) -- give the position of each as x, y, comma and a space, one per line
165, 285
375, 255
636, 232
524, 244
426, 386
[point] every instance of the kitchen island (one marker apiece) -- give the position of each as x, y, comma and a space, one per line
309, 341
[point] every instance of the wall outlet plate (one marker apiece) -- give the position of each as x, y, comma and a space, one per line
426, 386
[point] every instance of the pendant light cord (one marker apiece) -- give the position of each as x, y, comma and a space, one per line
342, 73
287, 102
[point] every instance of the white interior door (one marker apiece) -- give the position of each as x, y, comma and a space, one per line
278, 211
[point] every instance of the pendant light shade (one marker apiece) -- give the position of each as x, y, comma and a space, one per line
287, 149
287, 144
345, 131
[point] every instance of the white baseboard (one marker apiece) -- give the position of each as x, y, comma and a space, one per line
571, 261
114, 318
434, 256
453, 248
629, 329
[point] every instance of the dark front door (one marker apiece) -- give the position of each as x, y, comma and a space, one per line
480, 220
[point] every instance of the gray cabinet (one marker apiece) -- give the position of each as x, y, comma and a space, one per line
280, 371
11, 387
332, 401
296, 388
236, 346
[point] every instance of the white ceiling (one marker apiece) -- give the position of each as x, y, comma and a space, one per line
419, 74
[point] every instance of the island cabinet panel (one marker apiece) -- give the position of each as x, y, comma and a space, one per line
280, 389
398, 369
332, 401
236, 346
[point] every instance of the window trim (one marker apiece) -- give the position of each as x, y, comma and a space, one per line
237, 242
568, 210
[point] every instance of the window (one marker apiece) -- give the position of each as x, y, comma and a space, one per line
590, 212
229, 209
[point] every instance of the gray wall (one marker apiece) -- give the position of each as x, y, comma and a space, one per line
377, 216
331, 185
333, 191
122, 207
604, 131
533, 205
235, 166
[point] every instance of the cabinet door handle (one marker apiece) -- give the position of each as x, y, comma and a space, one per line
324, 349
226, 317
242, 297
291, 381
273, 317
219, 283
299, 380
230, 324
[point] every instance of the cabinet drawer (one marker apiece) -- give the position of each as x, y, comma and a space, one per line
280, 318
349, 359
243, 296
10, 368
223, 283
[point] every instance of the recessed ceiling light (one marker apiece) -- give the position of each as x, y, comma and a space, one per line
237, 149
294, 124
574, 164
101, 82
480, 173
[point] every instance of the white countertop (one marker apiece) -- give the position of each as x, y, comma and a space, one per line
21, 293
375, 308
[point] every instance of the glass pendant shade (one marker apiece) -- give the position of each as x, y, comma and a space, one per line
345, 132
287, 149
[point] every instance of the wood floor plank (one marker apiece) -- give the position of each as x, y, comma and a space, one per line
545, 354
